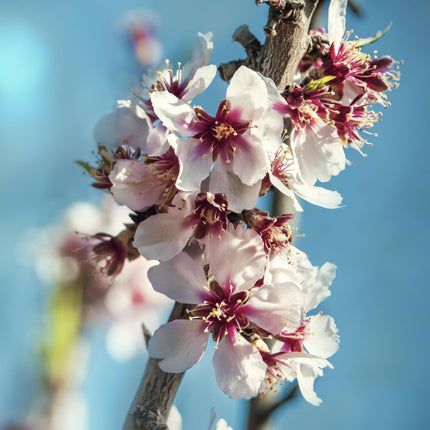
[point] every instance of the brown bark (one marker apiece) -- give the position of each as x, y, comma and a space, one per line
156, 392
280, 55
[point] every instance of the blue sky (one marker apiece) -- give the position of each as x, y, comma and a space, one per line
63, 65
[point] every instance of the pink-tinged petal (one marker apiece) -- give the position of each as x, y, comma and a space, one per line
276, 308
239, 195
180, 344
317, 195
321, 336
316, 291
128, 123
157, 142
248, 92
320, 154
336, 20
180, 279
201, 79
239, 368
133, 185
175, 114
237, 259
194, 165
250, 162
161, 236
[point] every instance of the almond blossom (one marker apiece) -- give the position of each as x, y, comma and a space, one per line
193, 215
303, 354
228, 304
241, 139
191, 79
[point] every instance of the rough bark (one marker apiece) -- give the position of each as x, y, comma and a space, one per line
156, 392
287, 42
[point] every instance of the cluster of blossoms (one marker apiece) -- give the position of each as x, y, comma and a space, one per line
193, 180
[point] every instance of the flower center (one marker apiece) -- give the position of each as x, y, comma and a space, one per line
221, 311
223, 131
209, 216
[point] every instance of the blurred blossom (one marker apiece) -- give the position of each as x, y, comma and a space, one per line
63, 257
131, 301
141, 28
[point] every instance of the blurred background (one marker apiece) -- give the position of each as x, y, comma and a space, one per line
63, 65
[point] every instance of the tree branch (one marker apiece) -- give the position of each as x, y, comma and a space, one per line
286, 42
156, 392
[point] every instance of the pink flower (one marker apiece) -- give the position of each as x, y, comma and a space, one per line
241, 138
140, 185
193, 215
227, 304
286, 177
191, 79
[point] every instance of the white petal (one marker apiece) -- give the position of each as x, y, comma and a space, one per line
180, 344
317, 290
174, 420
180, 279
238, 258
248, 92
278, 184
239, 368
239, 195
321, 336
157, 142
161, 236
250, 162
276, 308
307, 368
336, 20
194, 166
201, 55
201, 79
222, 425
317, 195
175, 114
320, 154
128, 122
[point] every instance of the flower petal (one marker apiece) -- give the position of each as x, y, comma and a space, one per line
194, 165
161, 236
128, 123
239, 195
237, 259
315, 292
320, 154
321, 336
239, 368
307, 368
133, 185
276, 308
201, 79
250, 162
248, 92
180, 344
175, 114
180, 279
336, 20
